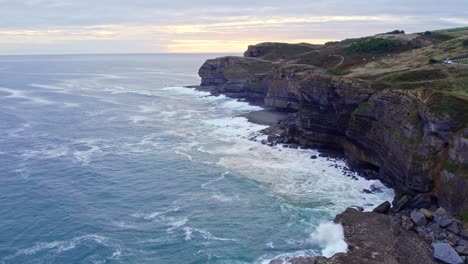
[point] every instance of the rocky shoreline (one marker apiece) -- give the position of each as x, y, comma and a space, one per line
413, 140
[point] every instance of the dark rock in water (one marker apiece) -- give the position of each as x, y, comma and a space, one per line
445, 253
375, 188
313, 157
383, 208
293, 146
418, 218
366, 191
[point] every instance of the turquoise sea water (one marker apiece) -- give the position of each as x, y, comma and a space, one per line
108, 159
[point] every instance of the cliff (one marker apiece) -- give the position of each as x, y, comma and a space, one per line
406, 119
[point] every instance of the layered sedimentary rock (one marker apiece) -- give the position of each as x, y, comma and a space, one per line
414, 138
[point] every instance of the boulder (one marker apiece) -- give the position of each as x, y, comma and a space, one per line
383, 208
401, 204
441, 211
427, 213
442, 220
434, 227
314, 157
454, 228
445, 253
418, 218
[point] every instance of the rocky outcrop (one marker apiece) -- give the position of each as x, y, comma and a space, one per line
374, 239
415, 139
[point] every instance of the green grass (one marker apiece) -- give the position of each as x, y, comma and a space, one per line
336, 71
363, 108
464, 217
457, 169
461, 87
448, 104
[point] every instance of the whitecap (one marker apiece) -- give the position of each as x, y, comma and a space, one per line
330, 237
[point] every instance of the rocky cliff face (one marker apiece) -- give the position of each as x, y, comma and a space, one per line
412, 137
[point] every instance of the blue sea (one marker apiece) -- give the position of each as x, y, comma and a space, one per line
109, 159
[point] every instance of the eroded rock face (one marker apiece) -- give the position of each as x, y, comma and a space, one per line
375, 239
418, 146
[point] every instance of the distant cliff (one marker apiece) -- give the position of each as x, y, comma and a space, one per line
398, 111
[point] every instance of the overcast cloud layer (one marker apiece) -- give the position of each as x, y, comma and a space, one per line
138, 26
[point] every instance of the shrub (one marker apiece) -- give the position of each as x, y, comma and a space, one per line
427, 33
336, 71
465, 43
396, 31
329, 43
373, 45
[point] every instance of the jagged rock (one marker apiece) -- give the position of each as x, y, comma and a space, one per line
375, 188
462, 250
427, 213
400, 205
445, 253
418, 218
383, 208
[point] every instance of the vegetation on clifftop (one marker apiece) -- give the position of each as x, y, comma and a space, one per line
373, 45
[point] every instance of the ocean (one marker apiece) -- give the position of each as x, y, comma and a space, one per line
109, 159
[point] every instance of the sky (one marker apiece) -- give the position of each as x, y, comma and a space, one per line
207, 26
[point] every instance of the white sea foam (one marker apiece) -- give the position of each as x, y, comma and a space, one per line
49, 152
238, 105
61, 246
330, 237
204, 186
24, 95
286, 257
186, 91
84, 156
206, 235
188, 156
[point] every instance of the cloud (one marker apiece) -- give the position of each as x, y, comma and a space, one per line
182, 26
